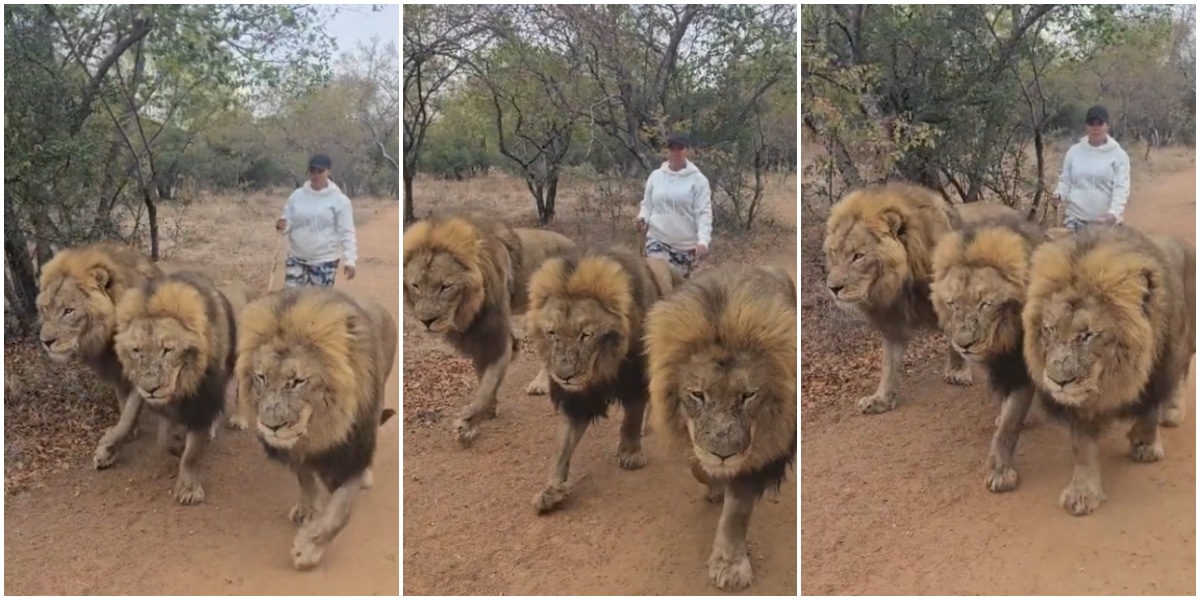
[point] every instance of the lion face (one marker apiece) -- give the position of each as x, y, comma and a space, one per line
980, 311
1076, 345
581, 343
68, 313
288, 390
440, 292
153, 353
861, 262
722, 396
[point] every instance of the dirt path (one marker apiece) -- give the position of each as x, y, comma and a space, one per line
895, 503
118, 531
470, 527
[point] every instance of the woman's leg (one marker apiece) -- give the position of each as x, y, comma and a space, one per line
323, 274
294, 272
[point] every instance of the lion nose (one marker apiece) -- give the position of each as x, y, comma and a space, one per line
1062, 382
152, 390
836, 288
273, 427
47, 342
427, 322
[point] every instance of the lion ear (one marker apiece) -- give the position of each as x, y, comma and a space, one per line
895, 223
102, 277
1150, 287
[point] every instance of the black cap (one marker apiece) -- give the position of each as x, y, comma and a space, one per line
678, 139
320, 161
1096, 113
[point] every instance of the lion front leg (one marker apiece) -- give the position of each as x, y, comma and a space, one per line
1002, 475
188, 490
1083, 495
122, 399
958, 370
315, 536
884, 398
306, 508
238, 417
106, 450
629, 450
729, 564
555, 492
1144, 443
716, 488
491, 375
540, 384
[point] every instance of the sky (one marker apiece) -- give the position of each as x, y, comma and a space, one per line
356, 23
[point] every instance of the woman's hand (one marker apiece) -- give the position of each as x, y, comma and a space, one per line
1056, 199
281, 224
701, 250
641, 225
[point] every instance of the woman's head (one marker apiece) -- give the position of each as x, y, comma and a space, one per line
677, 149
1097, 124
319, 167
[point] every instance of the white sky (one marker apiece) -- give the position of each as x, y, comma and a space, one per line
356, 23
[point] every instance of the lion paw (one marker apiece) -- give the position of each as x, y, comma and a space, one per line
631, 461
960, 376
1081, 499
549, 498
104, 457
368, 479
1170, 417
306, 553
238, 422
1146, 453
188, 492
1001, 479
466, 427
540, 386
877, 403
302, 513
730, 574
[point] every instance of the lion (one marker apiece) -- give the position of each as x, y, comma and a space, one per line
978, 290
1110, 329
722, 368
878, 248
175, 342
466, 277
314, 363
585, 322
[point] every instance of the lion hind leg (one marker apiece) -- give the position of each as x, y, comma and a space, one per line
1144, 442
239, 418
570, 433
629, 449
1174, 410
729, 564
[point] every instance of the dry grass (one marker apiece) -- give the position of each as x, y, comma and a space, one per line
54, 414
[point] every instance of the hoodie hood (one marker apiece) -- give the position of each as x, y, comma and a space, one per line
329, 189
1109, 144
688, 169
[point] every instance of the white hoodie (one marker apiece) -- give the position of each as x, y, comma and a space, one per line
318, 221
677, 207
1095, 180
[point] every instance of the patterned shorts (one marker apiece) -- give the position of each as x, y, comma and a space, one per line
681, 260
297, 273
1076, 224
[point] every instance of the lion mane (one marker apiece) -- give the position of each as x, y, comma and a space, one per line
314, 363
466, 277
879, 247
585, 322
175, 342
722, 369
1110, 327
980, 275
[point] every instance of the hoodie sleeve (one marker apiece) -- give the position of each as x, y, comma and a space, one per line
704, 213
644, 210
1120, 188
344, 227
287, 209
1064, 177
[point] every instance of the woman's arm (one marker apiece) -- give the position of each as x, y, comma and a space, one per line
1064, 177
343, 225
644, 209
285, 217
1120, 189
704, 213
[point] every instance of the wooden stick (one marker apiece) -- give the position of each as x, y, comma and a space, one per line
275, 261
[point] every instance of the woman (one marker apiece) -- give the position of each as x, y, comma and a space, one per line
676, 211
318, 219
1095, 176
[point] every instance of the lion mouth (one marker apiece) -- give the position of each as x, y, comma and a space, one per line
1071, 394
570, 384
283, 437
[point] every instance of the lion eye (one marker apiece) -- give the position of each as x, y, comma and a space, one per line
413, 286
68, 312
167, 351
298, 381
698, 396
259, 378
1087, 336
583, 337
551, 334
858, 256
446, 286
137, 351
747, 396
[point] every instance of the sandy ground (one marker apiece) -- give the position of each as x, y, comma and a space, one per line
895, 503
470, 526
118, 531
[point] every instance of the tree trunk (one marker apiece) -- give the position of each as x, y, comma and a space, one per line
152, 219
409, 213
24, 283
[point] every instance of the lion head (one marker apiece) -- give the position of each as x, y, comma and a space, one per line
878, 239
722, 364
582, 318
978, 288
449, 265
79, 290
165, 338
305, 361
1095, 316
